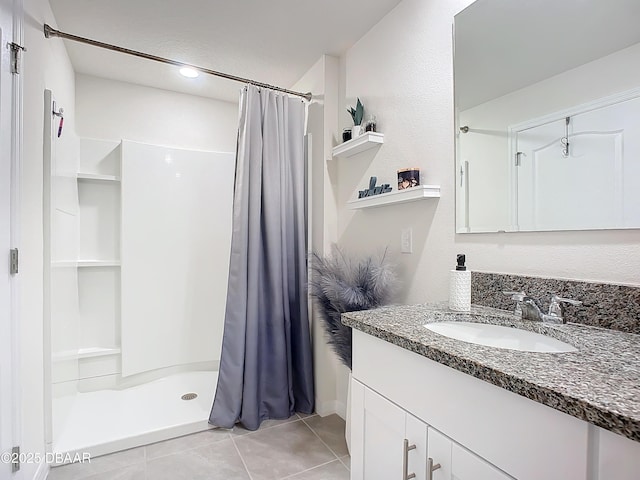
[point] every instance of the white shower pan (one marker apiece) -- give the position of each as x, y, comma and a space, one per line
107, 421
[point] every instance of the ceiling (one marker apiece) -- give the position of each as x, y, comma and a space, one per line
505, 45
273, 41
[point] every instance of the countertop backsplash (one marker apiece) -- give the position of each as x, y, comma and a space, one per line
604, 305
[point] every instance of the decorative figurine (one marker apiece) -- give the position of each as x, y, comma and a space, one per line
373, 190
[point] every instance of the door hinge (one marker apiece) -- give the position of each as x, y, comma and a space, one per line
15, 459
13, 261
16, 57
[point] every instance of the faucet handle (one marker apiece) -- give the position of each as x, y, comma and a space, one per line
519, 297
554, 306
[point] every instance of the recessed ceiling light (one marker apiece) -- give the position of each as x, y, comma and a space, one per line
189, 72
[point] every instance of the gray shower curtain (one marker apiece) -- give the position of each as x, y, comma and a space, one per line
266, 363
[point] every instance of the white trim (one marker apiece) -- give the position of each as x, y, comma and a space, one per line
329, 407
96, 263
89, 352
488, 229
578, 109
97, 177
16, 179
46, 267
42, 472
341, 409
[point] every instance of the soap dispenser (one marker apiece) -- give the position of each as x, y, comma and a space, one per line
460, 286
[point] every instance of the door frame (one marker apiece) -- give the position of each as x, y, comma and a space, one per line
12, 113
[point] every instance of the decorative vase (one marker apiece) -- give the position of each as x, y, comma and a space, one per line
356, 131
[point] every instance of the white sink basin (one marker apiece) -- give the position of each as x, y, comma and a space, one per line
500, 336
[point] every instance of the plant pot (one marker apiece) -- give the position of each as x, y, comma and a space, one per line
356, 131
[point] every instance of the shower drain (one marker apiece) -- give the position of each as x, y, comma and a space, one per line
189, 396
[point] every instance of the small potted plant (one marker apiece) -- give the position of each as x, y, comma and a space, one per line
357, 114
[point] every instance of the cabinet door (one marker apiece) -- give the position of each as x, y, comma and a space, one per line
457, 463
416, 434
439, 450
618, 457
467, 466
379, 430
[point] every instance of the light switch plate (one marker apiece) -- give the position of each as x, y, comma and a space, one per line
406, 240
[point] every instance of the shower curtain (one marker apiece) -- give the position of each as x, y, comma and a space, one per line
266, 362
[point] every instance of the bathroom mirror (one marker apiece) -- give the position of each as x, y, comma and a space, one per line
547, 108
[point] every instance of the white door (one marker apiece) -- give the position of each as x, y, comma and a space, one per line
586, 186
8, 417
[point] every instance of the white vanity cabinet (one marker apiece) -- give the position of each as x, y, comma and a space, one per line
456, 462
389, 443
494, 433
473, 429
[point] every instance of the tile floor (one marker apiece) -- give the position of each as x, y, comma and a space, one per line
300, 448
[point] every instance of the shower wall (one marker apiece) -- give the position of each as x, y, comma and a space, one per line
123, 329
176, 240
113, 110
137, 251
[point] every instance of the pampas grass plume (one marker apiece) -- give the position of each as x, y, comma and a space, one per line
340, 284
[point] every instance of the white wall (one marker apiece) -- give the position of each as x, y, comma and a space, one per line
322, 80
46, 65
402, 71
112, 110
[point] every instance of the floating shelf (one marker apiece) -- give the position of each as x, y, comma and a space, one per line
96, 176
85, 353
412, 194
98, 263
359, 144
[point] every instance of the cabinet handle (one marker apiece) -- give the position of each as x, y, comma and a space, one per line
431, 468
405, 461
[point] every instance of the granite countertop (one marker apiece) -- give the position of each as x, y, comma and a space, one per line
600, 383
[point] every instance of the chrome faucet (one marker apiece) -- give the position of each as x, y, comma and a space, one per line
529, 310
519, 298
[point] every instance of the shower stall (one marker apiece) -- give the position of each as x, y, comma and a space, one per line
136, 259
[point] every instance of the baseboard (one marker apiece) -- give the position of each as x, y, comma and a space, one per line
42, 471
326, 408
330, 407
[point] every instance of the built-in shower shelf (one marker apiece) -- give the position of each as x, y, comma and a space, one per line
99, 177
98, 263
361, 143
421, 192
85, 353
64, 263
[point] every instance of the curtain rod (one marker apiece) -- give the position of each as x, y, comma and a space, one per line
52, 32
